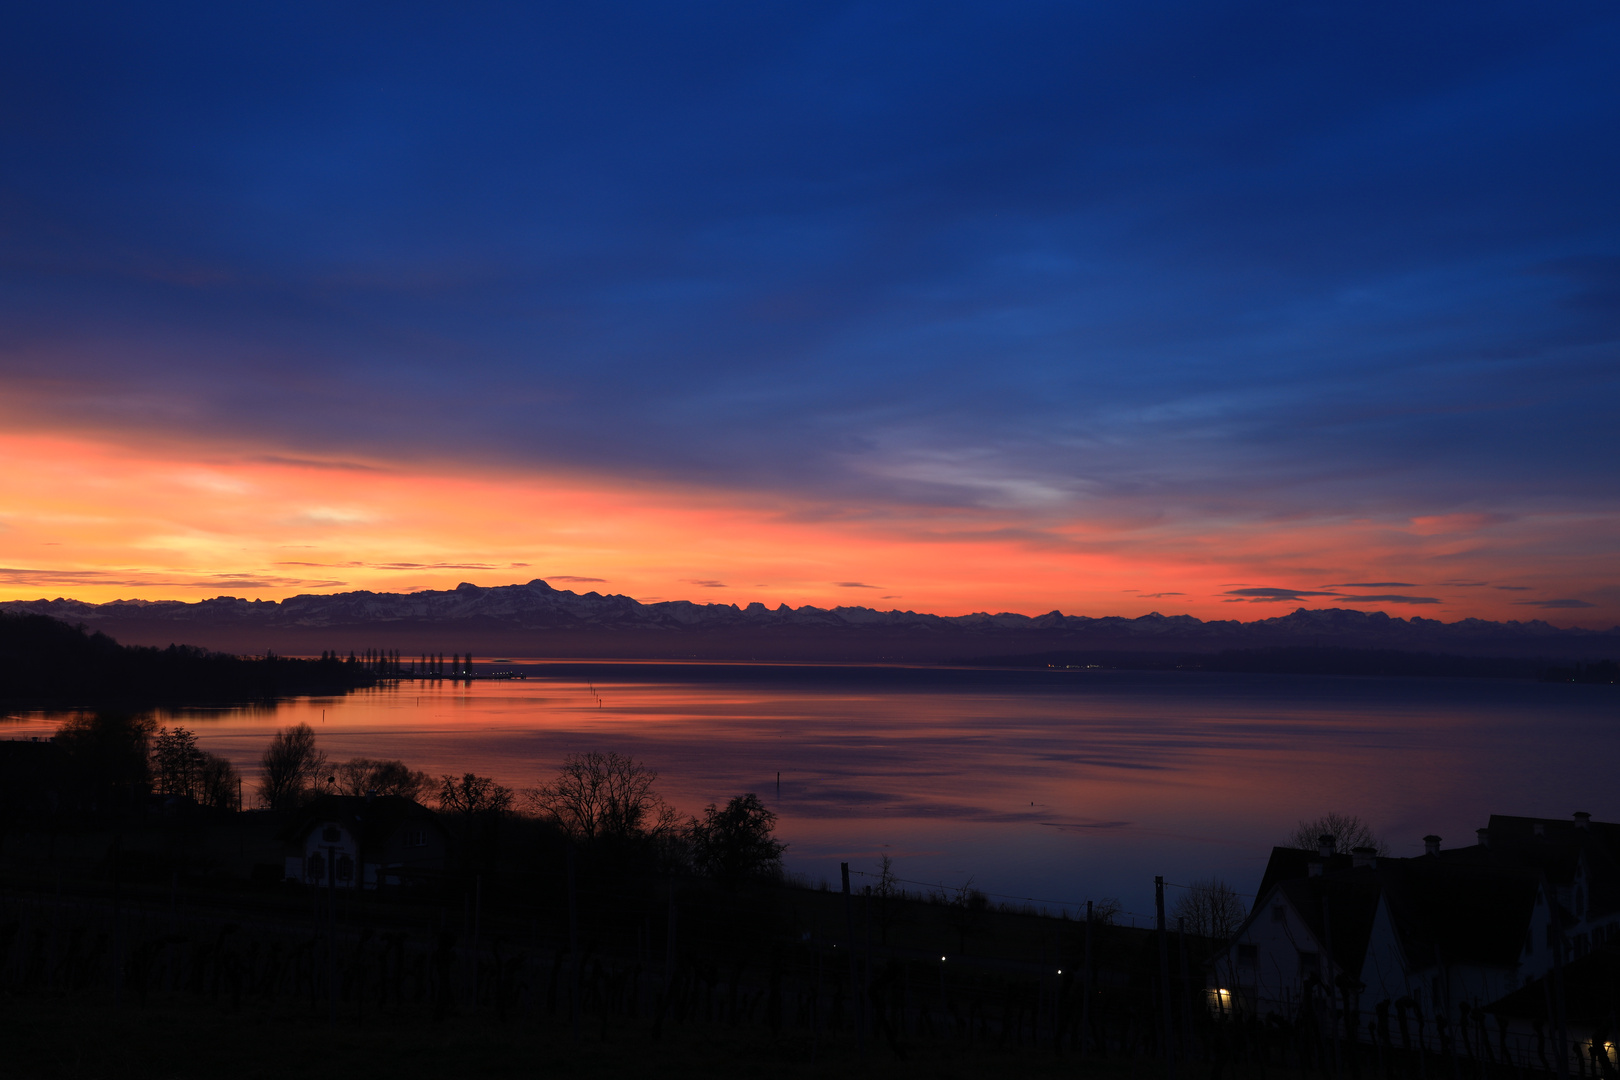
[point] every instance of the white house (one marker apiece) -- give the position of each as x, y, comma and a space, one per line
1418, 952
364, 842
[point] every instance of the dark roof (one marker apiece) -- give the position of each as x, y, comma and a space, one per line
1455, 911
1591, 993
1287, 863
1560, 848
1459, 912
1345, 902
372, 819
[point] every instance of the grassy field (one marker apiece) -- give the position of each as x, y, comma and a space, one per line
48, 1038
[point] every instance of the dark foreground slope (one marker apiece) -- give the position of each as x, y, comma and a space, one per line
534, 619
47, 662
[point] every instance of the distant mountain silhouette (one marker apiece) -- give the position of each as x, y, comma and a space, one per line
537, 620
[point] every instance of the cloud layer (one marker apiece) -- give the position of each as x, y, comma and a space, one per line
1203, 284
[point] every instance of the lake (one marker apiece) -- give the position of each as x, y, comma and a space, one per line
1055, 786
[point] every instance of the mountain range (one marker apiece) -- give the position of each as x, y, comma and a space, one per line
535, 620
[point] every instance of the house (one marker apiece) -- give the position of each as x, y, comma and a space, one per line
1416, 952
364, 842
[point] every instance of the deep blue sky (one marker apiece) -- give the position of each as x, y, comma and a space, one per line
1266, 260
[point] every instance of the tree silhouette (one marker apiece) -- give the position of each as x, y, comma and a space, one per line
365, 776
181, 767
735, 841
604, 797
1212, 909
470, 794
1348, 831
107, 753
292, 767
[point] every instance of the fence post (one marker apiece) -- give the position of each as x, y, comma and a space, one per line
1187, 999
1164, 979
854, 975
1085, 987
573, 948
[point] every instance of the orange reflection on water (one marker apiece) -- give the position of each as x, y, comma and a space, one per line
1034, 784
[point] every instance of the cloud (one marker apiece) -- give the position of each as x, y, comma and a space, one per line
1267, 595
143, 580
1391, 599
328, 515
312, 463
706, 584
1555, 604
1371, 585
1514, 588
577, 579
794, 291
1159, 595
855, 585
1442, 524
356, 564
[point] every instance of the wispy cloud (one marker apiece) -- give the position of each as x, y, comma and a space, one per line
1554, 604
706, 584
1371, 585
1262, 595
356, 564
11, 575
576, 579
855, 585
1390, 599
314, 463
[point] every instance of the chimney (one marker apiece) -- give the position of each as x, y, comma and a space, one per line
1582, 819
1313, 868
1364, 858
1325, 845
1484, 836
1431, 844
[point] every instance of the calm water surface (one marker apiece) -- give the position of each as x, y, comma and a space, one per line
1057, 786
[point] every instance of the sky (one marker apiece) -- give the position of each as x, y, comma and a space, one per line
1219, 309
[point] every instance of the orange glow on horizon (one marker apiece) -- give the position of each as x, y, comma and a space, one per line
96, 521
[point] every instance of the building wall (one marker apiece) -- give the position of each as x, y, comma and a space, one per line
1272, 978
328, 840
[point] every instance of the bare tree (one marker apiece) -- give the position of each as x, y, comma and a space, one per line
471, 795
888, 894
292, 767
599, 796
175, 759
1348, 831
1211, 908
217, 783
735, 841
968, 911
364, 776
1105, 911
108, 755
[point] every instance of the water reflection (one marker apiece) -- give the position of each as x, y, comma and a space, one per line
1062, 786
